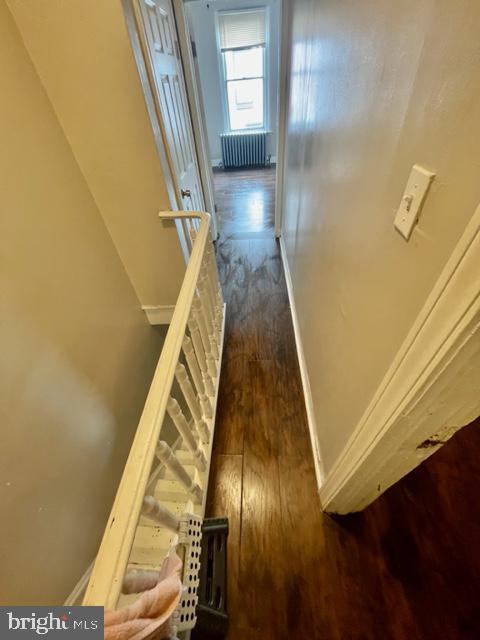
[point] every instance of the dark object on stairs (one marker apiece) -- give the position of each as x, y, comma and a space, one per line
212, 619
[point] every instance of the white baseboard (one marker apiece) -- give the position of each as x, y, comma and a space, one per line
161, 314
216, 162
312, 425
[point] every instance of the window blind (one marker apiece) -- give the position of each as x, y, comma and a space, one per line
242, 29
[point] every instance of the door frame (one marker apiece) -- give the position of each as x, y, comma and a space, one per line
195, 103
138, 54
282, 111
282, 94
154, 114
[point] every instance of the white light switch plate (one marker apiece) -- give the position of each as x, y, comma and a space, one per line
412, 200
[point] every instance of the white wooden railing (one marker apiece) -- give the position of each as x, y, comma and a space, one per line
157, 473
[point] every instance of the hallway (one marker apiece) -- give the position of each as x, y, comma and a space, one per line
407, 567
114, 111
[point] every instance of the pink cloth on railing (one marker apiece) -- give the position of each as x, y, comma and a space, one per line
153, 609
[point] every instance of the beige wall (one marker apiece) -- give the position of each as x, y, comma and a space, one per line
375, 86
77, 354
82, 54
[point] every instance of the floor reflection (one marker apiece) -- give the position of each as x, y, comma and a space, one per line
245, 200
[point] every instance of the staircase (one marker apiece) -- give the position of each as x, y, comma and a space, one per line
160, 501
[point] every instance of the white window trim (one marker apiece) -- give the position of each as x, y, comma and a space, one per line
266, 71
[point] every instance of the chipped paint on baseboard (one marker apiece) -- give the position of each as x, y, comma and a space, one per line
439, 438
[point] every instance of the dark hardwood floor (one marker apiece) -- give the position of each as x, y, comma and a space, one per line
246, 201
407, 567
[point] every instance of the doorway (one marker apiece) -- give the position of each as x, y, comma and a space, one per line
248, 107
235, 54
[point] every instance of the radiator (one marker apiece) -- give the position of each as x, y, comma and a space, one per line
244, 149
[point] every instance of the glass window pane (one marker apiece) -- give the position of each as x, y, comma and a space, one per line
245, 103
246, 63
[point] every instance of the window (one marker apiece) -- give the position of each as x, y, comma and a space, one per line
242, 46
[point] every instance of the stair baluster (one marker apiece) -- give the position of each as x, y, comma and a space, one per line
202, 355
206, 305
185, 430
153, 509
166, 455
215, 296
197, 377
212, 366
192, 402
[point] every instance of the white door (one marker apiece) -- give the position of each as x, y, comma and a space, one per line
166, 67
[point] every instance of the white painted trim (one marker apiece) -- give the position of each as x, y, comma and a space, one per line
430, 391
196, 111
312, 425
107, 575
138, 54
212, 422
161, 314
135, 42
282, 113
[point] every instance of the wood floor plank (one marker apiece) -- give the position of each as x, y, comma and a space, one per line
246, 200
225, 500
233, 407
262, 554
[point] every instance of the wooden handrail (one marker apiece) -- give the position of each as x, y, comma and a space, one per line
107, 576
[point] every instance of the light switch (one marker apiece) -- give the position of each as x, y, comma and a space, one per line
412, 200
